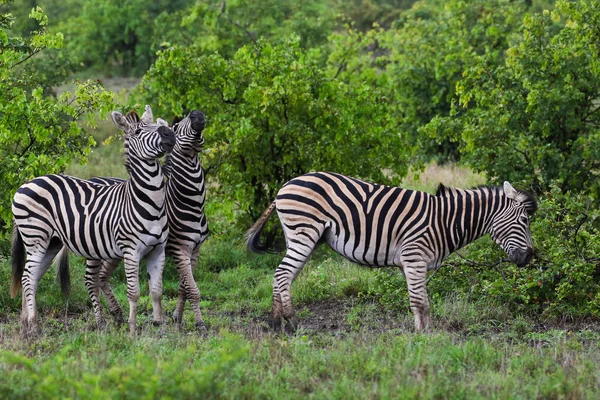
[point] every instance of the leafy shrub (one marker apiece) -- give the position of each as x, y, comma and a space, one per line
534, 118
564, 280
38, 133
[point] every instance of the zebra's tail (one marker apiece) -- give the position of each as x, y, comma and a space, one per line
18, 261
62, 271
252, 236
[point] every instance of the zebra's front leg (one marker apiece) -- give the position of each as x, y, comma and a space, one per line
106, 271
132, 265
92, 285
181, 263
155, 266
416, 273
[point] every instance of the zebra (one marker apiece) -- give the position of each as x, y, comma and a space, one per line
188, 227
378, 225
99, 222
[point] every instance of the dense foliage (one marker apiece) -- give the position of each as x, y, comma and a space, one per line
534, 118
420, 60
38, 132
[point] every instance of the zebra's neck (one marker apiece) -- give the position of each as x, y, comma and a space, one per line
147, 180
187, 161
466, 215
177, 158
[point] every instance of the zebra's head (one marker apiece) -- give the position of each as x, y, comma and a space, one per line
510, 225
188, 131
144, 139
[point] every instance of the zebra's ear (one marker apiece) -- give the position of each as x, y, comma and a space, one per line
120, 121
147, 116
510, 191
162, 122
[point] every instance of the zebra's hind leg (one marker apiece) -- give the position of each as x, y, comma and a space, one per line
294, 260
39, 258
182, 263
92, 285
106, 271
415, 271
155, 266
188, 289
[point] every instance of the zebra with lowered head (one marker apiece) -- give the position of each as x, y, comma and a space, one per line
378, 225
99, 222
188, 228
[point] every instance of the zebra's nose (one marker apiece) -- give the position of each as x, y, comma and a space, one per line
167, 137
198, 120
524, 257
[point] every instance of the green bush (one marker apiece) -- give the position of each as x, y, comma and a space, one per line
564, 279
39, 134
534, 117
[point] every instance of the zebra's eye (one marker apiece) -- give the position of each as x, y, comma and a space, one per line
524, 219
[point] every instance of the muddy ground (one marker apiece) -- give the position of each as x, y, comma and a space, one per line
335, 317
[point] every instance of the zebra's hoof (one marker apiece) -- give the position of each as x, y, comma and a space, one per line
276, 324
118, 319
201, 328
290, 328
100, 325
29, 334
133, 330
176, 318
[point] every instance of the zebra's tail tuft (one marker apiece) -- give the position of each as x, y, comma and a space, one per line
252, 236
62, 271
18, 261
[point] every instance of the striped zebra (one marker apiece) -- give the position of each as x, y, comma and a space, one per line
99, 222
378, 225
188, 228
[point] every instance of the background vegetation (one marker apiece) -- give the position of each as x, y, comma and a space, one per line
401, 92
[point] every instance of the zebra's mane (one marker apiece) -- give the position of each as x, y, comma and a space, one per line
523, 197
132, 117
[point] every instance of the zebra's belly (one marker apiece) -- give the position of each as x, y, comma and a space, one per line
188, 240
373, 255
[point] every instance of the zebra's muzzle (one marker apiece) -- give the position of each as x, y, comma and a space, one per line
522, 257
167, 138
198, 120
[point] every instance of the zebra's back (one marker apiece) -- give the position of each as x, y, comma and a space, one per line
83, 215
365, 222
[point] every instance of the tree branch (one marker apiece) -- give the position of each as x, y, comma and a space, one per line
33, 53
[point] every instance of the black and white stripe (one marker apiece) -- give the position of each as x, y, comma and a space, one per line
378, 225
188, 228
126, 221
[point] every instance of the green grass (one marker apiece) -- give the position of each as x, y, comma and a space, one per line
348, 346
